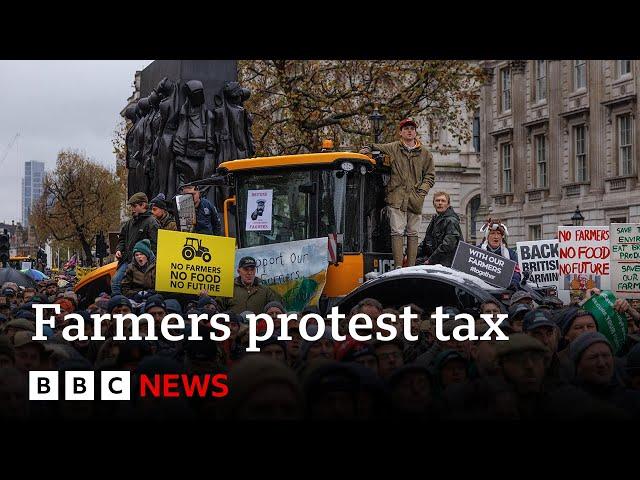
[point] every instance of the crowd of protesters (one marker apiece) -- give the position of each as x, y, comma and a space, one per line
555, 363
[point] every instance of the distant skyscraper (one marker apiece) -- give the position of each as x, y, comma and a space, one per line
32, 184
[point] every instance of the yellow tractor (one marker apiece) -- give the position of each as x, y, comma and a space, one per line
339, 196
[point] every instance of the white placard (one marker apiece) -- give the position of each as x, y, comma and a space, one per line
259, 210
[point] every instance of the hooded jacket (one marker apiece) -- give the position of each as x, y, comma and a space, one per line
441, 239
138, 278
412, 175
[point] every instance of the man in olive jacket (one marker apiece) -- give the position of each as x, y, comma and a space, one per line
141, 225
248, 291
412, 176
443, 233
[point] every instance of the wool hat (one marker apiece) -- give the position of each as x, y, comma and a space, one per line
144, 247
118, 300
584, 341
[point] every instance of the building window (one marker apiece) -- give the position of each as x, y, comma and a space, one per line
580, 153
541, 161
505, 90
476, 132
541, 80
625, 145
535, 232
623, 67
618, 220
472, 215
506, 168
579, 74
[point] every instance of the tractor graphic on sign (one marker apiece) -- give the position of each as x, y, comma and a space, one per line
193, 248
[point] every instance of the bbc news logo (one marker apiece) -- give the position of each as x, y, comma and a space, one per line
116, 385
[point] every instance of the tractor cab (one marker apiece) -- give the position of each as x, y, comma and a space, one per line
338, 195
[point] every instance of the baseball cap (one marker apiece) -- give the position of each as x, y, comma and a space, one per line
518, 309
537, 318
407, 121
520, 295
247, 262
138, 198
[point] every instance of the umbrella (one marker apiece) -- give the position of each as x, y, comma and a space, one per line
34, 274
16, 276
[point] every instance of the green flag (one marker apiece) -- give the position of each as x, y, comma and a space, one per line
611, 324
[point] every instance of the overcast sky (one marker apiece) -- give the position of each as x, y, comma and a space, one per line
55, 105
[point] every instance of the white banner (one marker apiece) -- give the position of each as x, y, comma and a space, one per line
625, 259
541, 259
584, 254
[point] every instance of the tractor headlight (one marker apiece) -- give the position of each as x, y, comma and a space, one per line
346, 166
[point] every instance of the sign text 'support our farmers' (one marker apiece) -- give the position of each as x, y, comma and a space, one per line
625, 259
190, 262
297, 270
541, 259
492, 268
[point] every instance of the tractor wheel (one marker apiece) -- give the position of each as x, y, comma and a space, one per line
188, 253
206, 256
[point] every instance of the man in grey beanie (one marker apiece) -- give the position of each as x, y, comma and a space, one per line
593, 358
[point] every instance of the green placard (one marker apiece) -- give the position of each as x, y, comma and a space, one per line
611, 324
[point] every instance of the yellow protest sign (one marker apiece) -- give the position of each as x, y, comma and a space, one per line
191, 262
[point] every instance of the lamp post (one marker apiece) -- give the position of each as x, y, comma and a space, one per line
577, 218
376, 119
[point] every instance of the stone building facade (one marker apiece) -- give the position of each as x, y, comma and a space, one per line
555, 135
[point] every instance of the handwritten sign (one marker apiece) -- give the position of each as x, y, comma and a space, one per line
583, 261
492, 268
297, 271
541, 259
625, 259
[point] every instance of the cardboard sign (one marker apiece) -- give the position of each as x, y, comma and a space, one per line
611, 324
259, 210
191, 262
297, 271
583, 261
487, 266
25, 265
541, 259
625, 259
186, 212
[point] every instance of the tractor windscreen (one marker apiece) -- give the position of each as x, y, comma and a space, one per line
275, 208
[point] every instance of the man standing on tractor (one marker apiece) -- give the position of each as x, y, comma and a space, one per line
141, 225
207, 218
412, 176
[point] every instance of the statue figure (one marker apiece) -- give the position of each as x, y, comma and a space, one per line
190, 141
169, 115
139, 135
130, 162
219, 132
239, 120
150, 144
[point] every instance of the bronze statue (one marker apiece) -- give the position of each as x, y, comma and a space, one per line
239, 120
190, 141
139, 135
219, 132
130, 162
169, 117
154, 128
